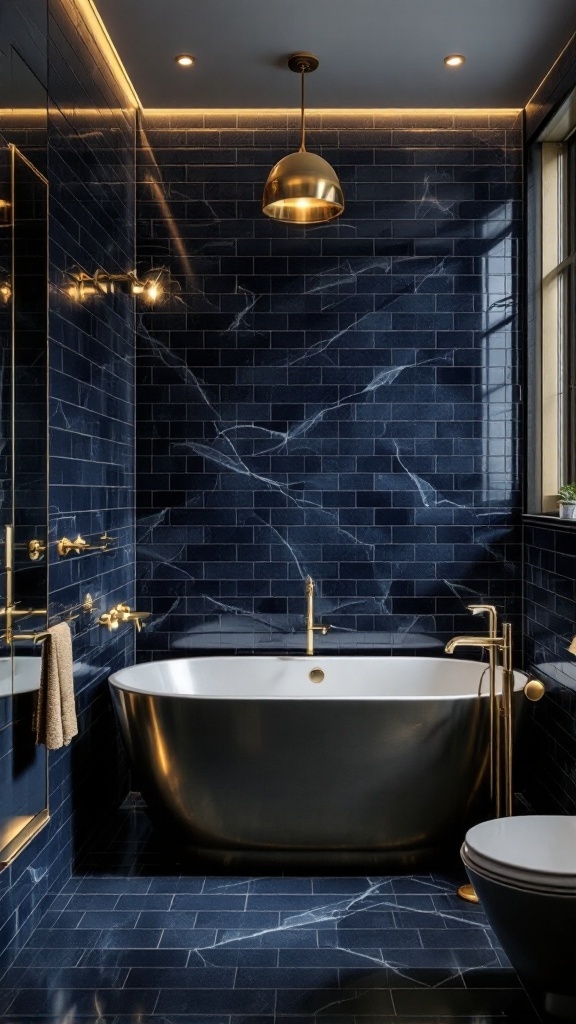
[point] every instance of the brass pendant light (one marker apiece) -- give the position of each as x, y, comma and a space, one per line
303, 188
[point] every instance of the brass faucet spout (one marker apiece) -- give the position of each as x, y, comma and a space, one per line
474, 641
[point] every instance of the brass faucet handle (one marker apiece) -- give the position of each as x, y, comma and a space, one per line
109, 619
534, 690
36, 550
476, 609
490, 611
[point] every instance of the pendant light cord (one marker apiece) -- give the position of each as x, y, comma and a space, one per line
303, 117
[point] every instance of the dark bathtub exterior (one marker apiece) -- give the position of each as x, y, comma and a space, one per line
389, 776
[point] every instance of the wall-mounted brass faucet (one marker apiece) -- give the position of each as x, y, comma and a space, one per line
310, 627
65, 546
122, 613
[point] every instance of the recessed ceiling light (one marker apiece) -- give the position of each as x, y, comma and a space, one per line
185, 59
454, 60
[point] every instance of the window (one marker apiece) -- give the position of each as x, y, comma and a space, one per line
555, 392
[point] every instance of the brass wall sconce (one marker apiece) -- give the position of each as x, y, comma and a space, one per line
5, 212
65, 546
122, 613
151, 288
5, 290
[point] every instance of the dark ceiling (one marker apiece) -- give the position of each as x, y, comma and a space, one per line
373, 53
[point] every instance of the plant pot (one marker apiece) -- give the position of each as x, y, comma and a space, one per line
567, 509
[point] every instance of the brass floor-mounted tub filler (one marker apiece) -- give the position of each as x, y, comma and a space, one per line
501, 717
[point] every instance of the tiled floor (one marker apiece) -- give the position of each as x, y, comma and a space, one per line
134, 938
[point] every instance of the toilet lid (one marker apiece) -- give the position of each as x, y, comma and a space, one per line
535, 851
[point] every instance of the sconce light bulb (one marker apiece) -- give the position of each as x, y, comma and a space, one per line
454, 60
153, 292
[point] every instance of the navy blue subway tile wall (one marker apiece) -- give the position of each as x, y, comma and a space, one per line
90, 159
550, 624
339, 400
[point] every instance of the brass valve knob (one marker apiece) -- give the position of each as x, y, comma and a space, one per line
534, 690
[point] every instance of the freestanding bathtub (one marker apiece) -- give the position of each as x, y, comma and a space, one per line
383, 755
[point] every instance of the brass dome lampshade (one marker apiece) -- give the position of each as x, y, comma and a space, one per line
303, 188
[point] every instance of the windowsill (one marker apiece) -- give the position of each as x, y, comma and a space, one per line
548, 519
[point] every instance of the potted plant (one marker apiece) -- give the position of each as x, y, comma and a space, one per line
567, 503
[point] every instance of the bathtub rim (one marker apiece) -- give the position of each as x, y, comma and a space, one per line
118, 683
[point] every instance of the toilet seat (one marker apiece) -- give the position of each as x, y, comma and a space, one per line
536, 852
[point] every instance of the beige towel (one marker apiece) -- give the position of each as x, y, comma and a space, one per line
55, 719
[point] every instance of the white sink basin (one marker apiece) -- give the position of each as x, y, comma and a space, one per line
26, 675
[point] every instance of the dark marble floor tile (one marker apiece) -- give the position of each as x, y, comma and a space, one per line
287, 977
259, 920
126, 938
380, 919
455, 938
456, 1002
62, 919
223, 884
329, 957
118, 883
188, 938
320, 1002
232, 956
169, 884
142, 901
401, 977
149, 958
53, 977
304, 938
291, 902
177, 977
65, 1001
62, 939
246, 1001
109, 919
178, 920
389, 938
209, 901
282, 885
349, 885
92, 901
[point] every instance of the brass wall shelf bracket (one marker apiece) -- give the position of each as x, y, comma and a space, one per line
80, 545
122, 613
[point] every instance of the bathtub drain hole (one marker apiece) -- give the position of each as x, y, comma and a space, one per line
316, 675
